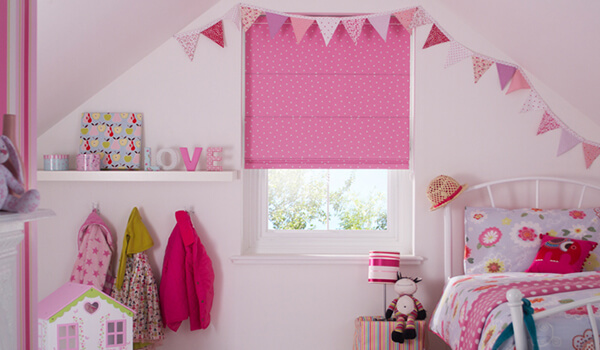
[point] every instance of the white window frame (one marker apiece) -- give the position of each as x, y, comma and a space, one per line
259, 240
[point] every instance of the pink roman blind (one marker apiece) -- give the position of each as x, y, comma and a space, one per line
343, 105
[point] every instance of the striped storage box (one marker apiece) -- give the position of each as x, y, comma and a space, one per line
374, 333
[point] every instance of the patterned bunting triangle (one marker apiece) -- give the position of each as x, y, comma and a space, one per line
249, 16
518, 82
275, 22
534, 103
590, 153
505, 73
189, 41
405, 18
215, 33
435, 37
354, 27
567, 141
381, 25
480, 66
420, 18
456, 53
234, 15
328, 26
548, 123
300, 26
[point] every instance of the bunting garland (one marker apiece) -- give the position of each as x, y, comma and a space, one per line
511, 75
215, 33
300, 26
547, 124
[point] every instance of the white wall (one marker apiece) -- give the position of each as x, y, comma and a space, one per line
472, 132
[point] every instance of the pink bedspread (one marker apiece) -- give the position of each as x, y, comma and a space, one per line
467, 316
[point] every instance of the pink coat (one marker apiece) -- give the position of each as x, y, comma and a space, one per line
93, 263
186, 287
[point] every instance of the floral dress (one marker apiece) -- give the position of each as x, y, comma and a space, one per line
136, 287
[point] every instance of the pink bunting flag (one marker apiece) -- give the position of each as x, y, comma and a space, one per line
300, 26
381, 25
234, 15
548, 123
189, 41
275, 22
590, 153
354, 27
518, 82
420, 18
567, 141
405, 18
249, 16
328, 26
215, 33
435, 37
534, 103
480, 66
456, 53
505, 73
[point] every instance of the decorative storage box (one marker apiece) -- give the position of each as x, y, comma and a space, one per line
116, 137
374, 333
56, 162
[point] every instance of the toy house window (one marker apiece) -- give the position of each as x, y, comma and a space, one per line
322, 110
67, 337
115, 333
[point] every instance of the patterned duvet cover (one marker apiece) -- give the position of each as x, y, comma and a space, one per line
473, 311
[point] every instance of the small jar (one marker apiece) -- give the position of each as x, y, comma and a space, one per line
56, 162
88, 162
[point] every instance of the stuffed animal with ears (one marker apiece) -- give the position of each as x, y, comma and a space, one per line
21, 201
406, 309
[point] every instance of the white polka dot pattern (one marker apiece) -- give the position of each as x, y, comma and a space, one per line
344, 105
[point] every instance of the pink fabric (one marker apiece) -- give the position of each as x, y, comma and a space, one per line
344, 105
474, 318
92, 266
186, 288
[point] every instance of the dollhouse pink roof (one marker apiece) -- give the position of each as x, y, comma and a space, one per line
67, 294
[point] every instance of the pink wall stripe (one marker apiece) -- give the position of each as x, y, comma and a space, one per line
4, 23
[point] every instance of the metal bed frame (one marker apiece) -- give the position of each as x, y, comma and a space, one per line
514, 296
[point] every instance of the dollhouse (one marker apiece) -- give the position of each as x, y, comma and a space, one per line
77, 317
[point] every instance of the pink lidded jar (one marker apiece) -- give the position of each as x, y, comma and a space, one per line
88, 162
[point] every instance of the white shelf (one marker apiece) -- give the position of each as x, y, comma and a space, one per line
137, 175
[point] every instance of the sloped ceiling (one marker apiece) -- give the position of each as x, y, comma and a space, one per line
556, 41
85, 45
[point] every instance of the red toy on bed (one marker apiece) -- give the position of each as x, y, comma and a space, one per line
561, 255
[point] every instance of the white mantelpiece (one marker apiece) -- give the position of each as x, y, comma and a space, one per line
12, 227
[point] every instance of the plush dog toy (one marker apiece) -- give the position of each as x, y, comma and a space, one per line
406, 309
21, 202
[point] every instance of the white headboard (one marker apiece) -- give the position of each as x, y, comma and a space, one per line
579, 189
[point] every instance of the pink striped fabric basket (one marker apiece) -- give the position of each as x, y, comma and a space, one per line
374, 333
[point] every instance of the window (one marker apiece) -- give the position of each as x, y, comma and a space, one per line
333, 117
262, 237
115, 333
67, 337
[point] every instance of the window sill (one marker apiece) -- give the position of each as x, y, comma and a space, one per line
312, 259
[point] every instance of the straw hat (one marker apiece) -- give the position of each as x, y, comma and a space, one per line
442, 190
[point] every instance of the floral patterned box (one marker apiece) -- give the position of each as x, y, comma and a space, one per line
116, 137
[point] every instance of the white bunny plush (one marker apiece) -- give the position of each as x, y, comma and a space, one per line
23, 202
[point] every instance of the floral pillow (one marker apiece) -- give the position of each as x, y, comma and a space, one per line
507, 240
